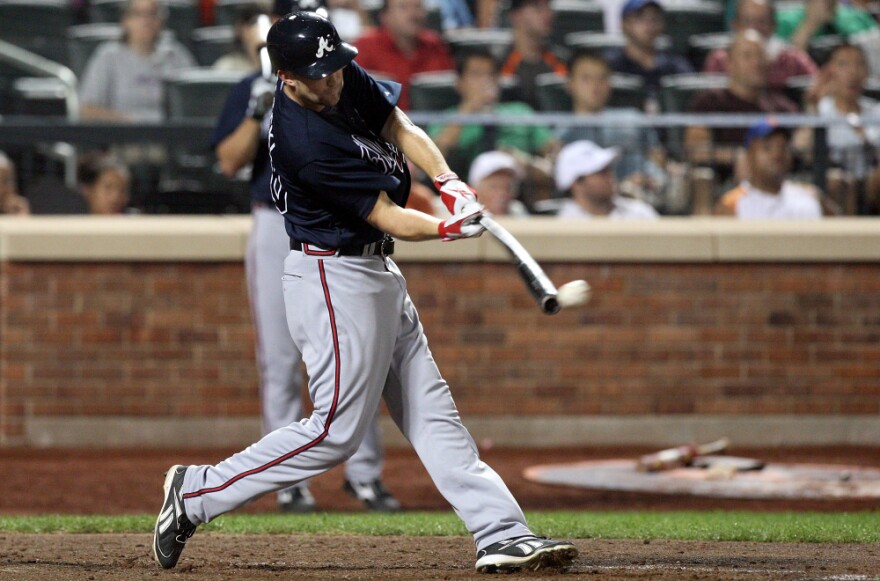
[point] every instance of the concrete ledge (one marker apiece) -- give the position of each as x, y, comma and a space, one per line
223, 238
508, 431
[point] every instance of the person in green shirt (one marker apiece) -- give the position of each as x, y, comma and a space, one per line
479, 86
818, 18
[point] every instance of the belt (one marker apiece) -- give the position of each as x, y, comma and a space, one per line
384, 247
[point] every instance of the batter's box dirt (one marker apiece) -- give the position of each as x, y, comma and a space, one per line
213, 557
782, 480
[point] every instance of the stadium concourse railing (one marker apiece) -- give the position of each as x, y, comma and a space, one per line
26, 134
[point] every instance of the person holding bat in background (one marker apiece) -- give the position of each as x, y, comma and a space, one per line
240, 140
337, 143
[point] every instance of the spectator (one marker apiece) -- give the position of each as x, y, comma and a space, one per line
347, 16
244, 56
10, 201
453, 13
478, 85
747, 93
643, 22
853, 147
123, 80
767, 194
496, 176
584, 171
531, 54
785, 61
639, 168
820, 18
104, 182
402, 47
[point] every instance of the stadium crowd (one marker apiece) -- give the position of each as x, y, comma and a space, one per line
610, 65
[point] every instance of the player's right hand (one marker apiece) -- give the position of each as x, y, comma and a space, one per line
454, 193
465, 224
262, 97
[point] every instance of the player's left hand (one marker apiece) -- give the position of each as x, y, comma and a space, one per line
262, 96
454, 193
465, 224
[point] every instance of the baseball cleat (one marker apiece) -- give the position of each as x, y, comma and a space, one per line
296, 500
373, 494
173, 527
532, 553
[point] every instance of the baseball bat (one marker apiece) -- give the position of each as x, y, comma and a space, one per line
536, 281
679, 456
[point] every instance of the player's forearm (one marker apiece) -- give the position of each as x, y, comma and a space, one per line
402, 223
239, 148
414, 143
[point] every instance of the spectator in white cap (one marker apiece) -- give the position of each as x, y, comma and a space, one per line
496, 176
585, 172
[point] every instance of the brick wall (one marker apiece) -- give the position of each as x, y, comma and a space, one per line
174, 339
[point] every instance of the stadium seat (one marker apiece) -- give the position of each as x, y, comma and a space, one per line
494, 40
676, 91
183, 15
83, 39
575, 16
41, 96
37, 25
600, 42
687, 18
627, 92
197, 93
703, 44
212, 42
435, 91
820, 49
225, 10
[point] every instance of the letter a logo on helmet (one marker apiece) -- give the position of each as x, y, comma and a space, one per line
324, 46
307, 45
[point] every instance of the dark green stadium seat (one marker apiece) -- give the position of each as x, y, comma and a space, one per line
686, 18
494, 40
37, 25
83, 39
703, 44
627, 92
211, 42
183, 15
40, 96
572, 16
600, 42
225, 10
435, 91
676, 91
197, 93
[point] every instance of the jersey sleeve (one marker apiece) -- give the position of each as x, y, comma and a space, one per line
95, 88
233, 111
349, 184
375, 99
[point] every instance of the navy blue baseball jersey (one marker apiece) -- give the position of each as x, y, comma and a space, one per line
329, 167
230, 118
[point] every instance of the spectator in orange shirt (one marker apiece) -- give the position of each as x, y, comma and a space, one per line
531, 53
401, 46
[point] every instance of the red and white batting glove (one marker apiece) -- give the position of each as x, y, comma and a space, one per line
454, 193
465, 224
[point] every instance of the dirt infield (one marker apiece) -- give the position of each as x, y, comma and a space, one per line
115, 482
212, 557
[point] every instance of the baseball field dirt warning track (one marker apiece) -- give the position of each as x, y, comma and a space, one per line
31, 486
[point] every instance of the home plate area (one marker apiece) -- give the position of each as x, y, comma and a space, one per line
717, 476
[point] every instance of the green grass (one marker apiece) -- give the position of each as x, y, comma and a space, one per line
805, 527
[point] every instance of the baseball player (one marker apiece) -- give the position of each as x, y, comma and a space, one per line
240, 138
337, 143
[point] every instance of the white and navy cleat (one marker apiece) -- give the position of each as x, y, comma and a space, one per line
530, 552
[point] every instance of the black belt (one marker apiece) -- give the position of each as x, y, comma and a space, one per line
384, 247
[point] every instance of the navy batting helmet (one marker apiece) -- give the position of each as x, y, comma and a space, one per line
307, 44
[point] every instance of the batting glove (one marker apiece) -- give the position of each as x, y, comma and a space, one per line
454, 193
262, 96
465, 224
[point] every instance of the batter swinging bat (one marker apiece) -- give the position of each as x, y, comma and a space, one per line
679, 456
551, 300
